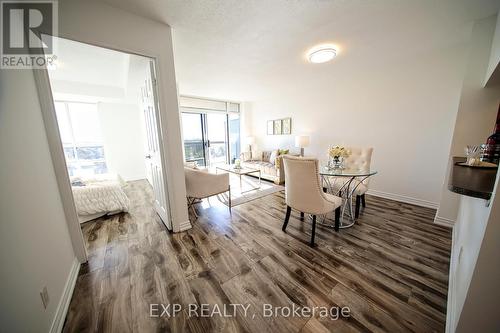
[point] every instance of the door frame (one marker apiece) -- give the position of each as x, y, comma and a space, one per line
42, 82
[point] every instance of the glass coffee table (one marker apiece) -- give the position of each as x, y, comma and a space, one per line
240, 172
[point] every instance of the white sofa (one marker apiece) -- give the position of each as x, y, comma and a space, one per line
270, 164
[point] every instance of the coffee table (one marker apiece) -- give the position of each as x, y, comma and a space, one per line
242, 171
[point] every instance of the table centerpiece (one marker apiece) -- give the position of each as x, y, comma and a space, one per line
336, 157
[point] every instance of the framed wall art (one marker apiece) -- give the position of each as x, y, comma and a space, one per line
286, 126
270, 127
277, 127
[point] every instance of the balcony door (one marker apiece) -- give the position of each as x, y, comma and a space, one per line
206, 138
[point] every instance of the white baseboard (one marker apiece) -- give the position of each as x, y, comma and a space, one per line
444, 221
183, 226
403, 198
62, 307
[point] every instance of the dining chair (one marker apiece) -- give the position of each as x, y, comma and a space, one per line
359, 159
304, 193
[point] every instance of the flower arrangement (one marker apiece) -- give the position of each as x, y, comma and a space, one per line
337, 155
337, 152
237, 164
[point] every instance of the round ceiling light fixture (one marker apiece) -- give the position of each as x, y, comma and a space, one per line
321, 54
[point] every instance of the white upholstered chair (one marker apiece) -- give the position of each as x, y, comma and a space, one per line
303, 192
360, 159
202, 184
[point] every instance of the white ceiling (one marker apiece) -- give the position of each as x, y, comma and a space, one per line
240, 49
80, 62
89, 73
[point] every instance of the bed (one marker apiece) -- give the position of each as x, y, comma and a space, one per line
98, 196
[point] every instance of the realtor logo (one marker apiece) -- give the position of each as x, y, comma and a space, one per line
27, 30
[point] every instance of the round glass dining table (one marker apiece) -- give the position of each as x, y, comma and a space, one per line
343, 183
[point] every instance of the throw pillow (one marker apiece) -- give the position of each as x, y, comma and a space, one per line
272, 158
257, 156
246, 156
284, 151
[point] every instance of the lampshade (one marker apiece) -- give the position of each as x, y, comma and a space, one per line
250, 140
301, 141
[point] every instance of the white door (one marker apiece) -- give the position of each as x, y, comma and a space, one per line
153, 158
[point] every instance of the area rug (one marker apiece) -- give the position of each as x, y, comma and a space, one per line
249, 193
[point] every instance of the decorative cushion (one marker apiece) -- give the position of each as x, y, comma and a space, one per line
266, 155
272, 157
246, 156
284, 151
257, 156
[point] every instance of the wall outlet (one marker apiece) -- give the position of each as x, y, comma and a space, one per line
44, 294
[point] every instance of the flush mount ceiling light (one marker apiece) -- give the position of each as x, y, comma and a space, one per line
321, 54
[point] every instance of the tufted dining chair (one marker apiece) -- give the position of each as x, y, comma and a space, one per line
303, 192
359, 159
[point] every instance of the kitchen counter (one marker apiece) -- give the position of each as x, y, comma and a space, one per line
473, 182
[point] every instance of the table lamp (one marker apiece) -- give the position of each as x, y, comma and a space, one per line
250, 141
302, 141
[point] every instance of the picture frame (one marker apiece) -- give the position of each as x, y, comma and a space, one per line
286, 126
270, 127
277, 127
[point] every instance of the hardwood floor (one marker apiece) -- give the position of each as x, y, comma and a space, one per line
390, 269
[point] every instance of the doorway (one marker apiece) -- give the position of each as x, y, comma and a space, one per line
106, 112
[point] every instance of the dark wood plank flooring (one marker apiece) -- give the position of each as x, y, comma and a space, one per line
390, 269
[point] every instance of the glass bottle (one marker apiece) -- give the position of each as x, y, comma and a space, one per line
491, 151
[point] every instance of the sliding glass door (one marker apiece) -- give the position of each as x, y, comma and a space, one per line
194, 139
210, 138
217, 143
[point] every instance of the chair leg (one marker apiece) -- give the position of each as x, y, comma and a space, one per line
191, 202
313, 232
363, 202
229, 201
302, 216
287, 217
337, 219
358, 201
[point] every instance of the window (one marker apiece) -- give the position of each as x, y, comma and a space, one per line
234, 136
193, 138
81, 138
211, 130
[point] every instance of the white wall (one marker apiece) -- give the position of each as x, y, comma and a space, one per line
35, 248
480, 308
493, 65
102, 25
477, 111
123, 139
468, 234
473, 294
404, 107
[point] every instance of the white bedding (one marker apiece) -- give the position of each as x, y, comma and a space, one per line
99, 196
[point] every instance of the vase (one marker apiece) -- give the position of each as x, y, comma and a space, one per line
336, 162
